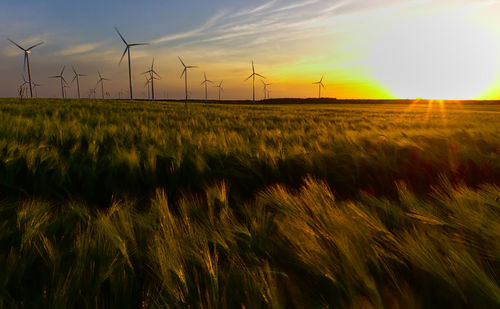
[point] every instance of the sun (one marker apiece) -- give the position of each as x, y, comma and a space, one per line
440, 57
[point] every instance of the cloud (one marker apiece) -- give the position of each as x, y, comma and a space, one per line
257, 9
296, 5
275, 21
183, 35
79, 49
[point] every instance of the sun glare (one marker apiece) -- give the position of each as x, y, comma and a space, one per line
445, 57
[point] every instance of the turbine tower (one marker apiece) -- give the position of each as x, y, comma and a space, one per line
220, 88
65, 87
127, 51
148, 81
27, 52
63, 81
206, 81
151, 79
266, 96
253, 81
184, 72
76, 77
101, 81
320, 84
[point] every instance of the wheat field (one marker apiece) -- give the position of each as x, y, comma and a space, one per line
353, 205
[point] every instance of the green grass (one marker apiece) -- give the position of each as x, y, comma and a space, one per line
118, 204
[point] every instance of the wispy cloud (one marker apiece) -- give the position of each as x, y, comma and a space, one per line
257, 9
191, 33
79, 49
295, 5
275, 21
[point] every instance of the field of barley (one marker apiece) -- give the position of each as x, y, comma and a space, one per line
107, 204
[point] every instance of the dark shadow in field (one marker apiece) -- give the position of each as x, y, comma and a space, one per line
99, 182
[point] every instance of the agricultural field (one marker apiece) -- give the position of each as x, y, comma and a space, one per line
108, 204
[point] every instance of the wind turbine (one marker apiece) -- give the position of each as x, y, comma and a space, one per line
320, 84
253, 81
148, 81
63, 81
265, 89
77, 75
23, 88
101, 81
185, 73
206, 81
27, 52
152, 77
35, 85
65, 87
127, 51
220, 88
92, 93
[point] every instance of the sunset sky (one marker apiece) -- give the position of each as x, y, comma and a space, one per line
442, 49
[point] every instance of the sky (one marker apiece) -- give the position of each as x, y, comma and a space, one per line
439, 49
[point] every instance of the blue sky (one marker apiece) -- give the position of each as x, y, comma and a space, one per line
292, 42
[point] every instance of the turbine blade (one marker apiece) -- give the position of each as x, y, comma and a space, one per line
38, 44
182, 62
121, 36
259, 75
82, 75
138, 44
62, 72
73, 80
205, 75
16, 44
249, 77
183, 71
322, 78
123, 55
74, 71
191, 67
253, 68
